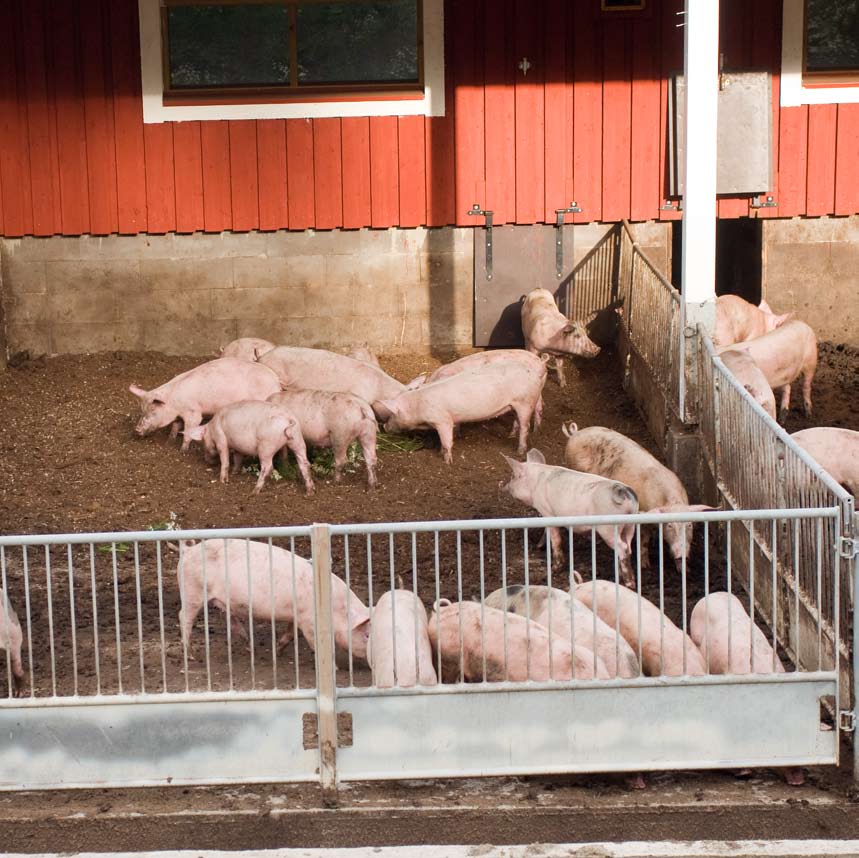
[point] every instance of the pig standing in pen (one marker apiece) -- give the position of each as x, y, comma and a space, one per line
548, 331
741, 365
260, 429
602, 451
260, 582
557, 491
11, 639
737, 320
398, 651
836, 450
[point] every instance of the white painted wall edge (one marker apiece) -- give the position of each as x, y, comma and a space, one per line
632, 849
155, 111
793, 93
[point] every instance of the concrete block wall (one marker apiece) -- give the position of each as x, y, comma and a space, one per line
811, 267
399, 290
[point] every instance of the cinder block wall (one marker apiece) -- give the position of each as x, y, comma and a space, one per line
399, 290
811, 267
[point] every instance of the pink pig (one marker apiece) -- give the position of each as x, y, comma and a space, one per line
10, 640
235, 573
836, 450
737, 320
399, 650
364, 354
741, 365
548, 331
247, 348
251, 428
530, 651
201, 392
783, 355
665, 649
468, 397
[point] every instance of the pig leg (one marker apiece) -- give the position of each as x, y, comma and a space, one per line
17, 675
523, 416
187, 616
284, 641
784, 404
794, 776
445, 435
299, 450
557, 543
191, 420
538, 414
644, 546
265, 466
238, 459
368, 446
224, 454
174, 428
806, 392
559, 368
341, 456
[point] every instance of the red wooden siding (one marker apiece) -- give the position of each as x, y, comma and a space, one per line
587, 122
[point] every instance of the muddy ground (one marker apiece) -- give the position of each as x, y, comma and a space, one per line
70, 462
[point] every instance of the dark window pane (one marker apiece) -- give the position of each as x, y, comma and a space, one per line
228, 45
358, 42
832, 35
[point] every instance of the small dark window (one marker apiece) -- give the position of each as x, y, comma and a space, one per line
622, 5
832, 37
282, 49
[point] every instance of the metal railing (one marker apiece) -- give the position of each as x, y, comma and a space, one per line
116, 693
756, 464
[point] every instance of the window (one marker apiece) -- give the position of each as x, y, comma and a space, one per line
820, 52
291, 58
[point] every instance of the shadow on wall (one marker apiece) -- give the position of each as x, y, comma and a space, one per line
441, 268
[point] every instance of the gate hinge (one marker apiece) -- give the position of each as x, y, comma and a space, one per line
767, 203
572, 208
847, 721
476, 211
848, 547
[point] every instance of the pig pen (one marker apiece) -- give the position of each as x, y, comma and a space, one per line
71, 419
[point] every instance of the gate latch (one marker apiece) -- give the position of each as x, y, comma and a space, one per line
572, 208
848, 547
767, 203
476, 211
847, 721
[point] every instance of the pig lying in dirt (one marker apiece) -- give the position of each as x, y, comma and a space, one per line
737, 320
323, 370
10, 640
563, 615
201, 392
731, 643
399, 650
467, 397
334, 420
602, 451
556, 491
364, 354
836, 450
247, 348
665, 649
527, 649
236, 573
783, 355
741, 365
548, 331
249, 428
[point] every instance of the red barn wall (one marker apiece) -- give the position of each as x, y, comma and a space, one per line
586, 123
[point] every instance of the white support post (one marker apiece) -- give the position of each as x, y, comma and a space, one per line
698, 263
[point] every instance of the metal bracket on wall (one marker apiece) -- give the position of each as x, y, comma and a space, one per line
476, 211
768, 203
671, 206
573, 208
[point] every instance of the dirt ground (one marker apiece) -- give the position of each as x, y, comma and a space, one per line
70, 462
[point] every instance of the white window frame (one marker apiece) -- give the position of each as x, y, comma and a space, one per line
793, 92
155, 110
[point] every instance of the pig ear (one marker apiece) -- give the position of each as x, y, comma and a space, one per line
784, 317
139, 392
765, 307
545, 357
700, 507
195, 434
534, 455
568, 329
384, 409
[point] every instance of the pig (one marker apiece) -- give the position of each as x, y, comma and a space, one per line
323, 370
362, 353
663, 646
247, 348
11, 638
737, 320
557, 491
731, 643
334, 420
468, 397
602, 451
741, 365
200, 392
561, 614
252, 428
525, 656
236, 574
783, 355
836, 450
548, 331
398, 633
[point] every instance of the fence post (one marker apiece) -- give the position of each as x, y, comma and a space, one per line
854, 572
326, 677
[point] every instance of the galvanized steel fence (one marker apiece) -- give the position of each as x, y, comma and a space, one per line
115, 693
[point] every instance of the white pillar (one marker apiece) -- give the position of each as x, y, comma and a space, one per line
701, 69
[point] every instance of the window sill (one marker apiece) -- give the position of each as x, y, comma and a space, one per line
191, 99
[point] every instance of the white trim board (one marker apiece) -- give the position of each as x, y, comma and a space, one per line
155, 111
793, 93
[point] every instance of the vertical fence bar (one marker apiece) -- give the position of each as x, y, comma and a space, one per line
24, 560
855, 576
326, 684
72, 618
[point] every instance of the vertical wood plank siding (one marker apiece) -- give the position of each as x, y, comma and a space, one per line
587, 122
